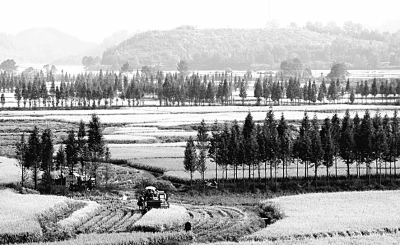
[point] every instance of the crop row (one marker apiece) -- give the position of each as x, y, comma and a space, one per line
162, 219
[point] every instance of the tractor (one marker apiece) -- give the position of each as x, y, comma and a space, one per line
153, 198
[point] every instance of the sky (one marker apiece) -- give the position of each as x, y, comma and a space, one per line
94, 20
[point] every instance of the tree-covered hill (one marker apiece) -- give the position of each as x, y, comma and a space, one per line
245, 49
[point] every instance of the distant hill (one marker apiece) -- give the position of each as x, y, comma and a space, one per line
97, 50
40, 45
245, 49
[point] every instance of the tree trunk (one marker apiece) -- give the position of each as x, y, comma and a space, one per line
316, 172
327, 174
265, 173
336, 166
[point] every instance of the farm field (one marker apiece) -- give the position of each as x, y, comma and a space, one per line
333, 213
18, 212
10, 173
375, 239
176, 116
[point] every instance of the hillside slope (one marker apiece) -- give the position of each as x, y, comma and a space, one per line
238, 48
40, 45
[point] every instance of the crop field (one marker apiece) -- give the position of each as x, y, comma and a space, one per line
333, 214
374, 239
162, 219
18, 213
9, 171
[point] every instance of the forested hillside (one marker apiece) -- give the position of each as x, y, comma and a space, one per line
246, 48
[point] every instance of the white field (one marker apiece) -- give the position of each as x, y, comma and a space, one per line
333, 212
145, 151
9, 172
126, 137
18, 212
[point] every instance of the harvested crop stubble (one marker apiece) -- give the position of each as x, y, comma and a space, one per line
324, 213
79, 216
136, 238
162, 219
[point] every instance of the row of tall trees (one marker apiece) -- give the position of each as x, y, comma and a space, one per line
84, 148
275, 90
105, 89
275, 145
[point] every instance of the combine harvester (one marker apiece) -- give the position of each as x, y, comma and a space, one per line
153, 198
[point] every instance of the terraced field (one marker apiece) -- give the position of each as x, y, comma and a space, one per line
209, 223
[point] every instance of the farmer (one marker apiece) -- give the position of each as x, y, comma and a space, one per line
188, 226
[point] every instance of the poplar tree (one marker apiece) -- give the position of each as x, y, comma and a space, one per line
235, 152
316, 151
213, 146
250, 143
47, 150
305, 142
396, 142
347, 144
71, 151
258, 90
202, 139
366, 142
96, 145
60, 159
335, 139
82, 150
284, 144
21, 148
33, 154
271, 140
190, 159
243, 91
327, 145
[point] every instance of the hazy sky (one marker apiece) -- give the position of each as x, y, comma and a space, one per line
95, 20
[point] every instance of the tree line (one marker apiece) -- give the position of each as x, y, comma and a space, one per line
82, 150
247, 150
176, 89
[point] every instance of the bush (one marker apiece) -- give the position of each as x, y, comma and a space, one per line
271, 212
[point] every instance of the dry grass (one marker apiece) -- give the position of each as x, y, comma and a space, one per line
333, 212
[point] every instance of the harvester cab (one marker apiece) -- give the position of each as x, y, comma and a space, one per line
153, 198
